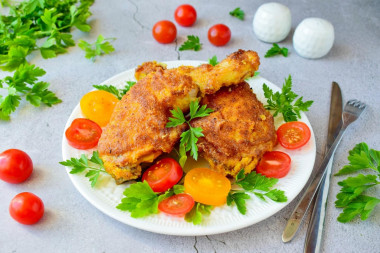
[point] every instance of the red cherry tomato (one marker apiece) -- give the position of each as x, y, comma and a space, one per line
83, 134
164, 31
185, 15
15, 166
177, 205
274, 164
219, 35
163, 175
293, 135
26, 208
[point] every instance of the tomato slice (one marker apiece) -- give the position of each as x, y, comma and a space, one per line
98, 106
178, 204
207, 186
274, 164
26, 208
293, 135
83, 134
163, 175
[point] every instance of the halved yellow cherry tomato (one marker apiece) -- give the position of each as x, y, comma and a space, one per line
207, 186
98, 106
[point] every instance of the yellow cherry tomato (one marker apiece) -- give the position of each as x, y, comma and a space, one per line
207, 186
98, 106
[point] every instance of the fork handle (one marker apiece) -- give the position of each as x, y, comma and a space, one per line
303, 205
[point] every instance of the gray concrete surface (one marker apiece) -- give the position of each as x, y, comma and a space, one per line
72, 224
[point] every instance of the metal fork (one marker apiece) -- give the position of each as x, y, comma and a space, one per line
351, 112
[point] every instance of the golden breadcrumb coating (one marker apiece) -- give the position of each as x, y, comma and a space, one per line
137, 134
237, 133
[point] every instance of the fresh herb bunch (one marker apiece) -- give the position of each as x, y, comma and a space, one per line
283, 102
276, 50
351, 197
119, 93
140, 200
259, 185
32, 20
24, 82
238, 13
100, 47
190, 137
192, 43
94, 166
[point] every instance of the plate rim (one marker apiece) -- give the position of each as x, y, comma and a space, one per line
199, 230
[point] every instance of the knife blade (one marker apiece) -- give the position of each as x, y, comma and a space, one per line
315, 228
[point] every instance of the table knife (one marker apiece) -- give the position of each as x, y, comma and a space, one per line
292, 228
315, 228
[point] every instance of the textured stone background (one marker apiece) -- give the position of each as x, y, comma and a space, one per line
72, 224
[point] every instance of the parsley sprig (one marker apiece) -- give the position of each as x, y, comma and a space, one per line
94, 166
257, 184
24, 83
190, 137
283, 102
100, 47
140, 200
238, 13
197, 212
276, 50
119, 93
213, 61
351, 197
192, 43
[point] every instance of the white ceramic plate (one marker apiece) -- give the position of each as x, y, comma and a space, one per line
107, 195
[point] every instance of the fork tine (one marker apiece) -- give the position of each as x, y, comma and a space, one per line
351, 102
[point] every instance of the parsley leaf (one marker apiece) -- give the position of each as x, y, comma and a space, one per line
213, 61
24, 82
140, 200
95, 166
361, 157
283, 102
192, 43
190, 137
259, 185
276, 50
119, 93
256, 73
238, 13
100, 47
351, 197
196, 214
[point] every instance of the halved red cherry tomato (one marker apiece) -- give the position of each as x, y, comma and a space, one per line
293, 135
15, 166
163, 175
26, 208
178, 205
274, 164
185, 15
83, 134
207, 186
164, 31
219, 35
98, 106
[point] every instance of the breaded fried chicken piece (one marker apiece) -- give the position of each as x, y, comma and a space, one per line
237, 133
136, 132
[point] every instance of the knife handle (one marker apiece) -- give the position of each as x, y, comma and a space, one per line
305, 201
314, 231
